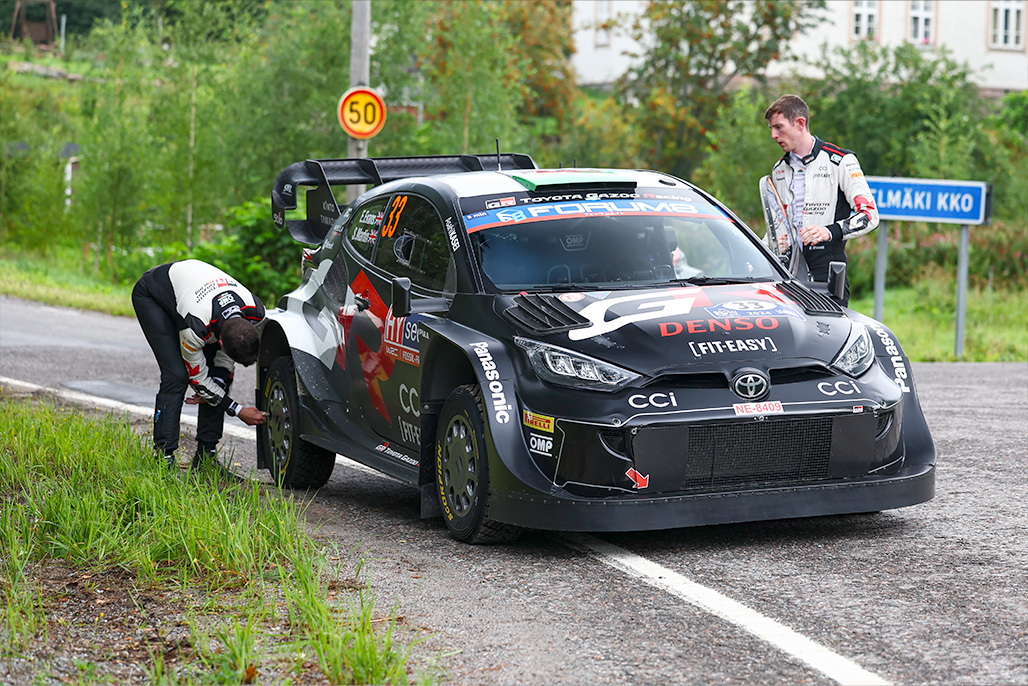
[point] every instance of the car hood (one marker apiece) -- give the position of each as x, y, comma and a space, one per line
657, 330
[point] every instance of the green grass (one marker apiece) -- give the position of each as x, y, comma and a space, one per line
924, 320
88, 493
62, 280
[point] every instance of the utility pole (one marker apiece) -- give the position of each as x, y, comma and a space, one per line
360, 74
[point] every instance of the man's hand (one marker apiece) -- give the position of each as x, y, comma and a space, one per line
252, 416
195, 400
812, 235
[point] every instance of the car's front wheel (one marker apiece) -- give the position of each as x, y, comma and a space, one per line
462, 471
293, 462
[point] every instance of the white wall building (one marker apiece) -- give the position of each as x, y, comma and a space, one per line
989, 35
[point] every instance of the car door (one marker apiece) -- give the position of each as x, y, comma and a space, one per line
410, 242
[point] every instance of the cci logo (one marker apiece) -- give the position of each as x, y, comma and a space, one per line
838, 388
410, 400
658, 400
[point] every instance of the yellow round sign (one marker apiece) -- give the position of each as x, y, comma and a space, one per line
362, 113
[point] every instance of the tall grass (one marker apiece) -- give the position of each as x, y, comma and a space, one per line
88, 492
923, 318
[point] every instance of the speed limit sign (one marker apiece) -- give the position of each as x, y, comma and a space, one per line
362, 112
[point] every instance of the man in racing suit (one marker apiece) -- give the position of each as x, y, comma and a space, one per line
822, 187
198, 321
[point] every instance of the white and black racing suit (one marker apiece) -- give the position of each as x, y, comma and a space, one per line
181, 307
836, 196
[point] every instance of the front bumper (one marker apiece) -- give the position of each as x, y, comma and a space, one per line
909, 486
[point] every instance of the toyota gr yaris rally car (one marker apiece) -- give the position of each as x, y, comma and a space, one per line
575, 349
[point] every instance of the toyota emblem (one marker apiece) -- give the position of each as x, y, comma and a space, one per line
751, 385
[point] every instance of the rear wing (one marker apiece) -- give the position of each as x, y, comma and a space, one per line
322, 175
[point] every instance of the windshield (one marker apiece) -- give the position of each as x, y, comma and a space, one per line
609, 240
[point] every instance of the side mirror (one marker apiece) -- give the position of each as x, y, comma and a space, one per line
837, 279
401, 296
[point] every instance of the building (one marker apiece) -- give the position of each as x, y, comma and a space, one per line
988, 35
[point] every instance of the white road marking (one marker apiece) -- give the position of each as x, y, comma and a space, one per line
831, 664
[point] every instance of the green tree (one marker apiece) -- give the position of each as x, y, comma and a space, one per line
692, 51
878, 100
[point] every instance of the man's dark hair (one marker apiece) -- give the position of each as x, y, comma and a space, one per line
240, 341
791, 107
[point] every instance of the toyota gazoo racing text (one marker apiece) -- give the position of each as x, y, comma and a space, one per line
574, 349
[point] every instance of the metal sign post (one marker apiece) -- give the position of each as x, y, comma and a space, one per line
965, 203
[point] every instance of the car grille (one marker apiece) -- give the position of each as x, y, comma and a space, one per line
724, 456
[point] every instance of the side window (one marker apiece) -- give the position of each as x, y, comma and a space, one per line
413, 242
364, 230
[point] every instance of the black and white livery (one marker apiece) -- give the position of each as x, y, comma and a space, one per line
574, 349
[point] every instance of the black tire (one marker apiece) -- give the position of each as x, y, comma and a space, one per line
294, 463
462, 471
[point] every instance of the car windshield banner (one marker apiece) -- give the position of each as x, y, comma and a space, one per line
486, 212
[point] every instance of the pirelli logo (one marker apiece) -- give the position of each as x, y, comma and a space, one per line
539, 422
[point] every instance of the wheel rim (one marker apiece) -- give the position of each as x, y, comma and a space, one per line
460, 465
280, 428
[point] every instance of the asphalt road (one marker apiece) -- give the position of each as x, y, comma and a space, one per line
936, 593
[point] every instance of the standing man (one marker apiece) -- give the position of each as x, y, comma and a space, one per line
198, 321
822, 186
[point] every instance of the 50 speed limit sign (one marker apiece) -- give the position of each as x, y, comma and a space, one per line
362, 112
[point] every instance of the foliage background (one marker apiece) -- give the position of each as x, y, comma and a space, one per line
187, 111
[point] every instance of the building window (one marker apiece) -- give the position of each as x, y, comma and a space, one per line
1007, 31
603, 15
921, 19
865, 19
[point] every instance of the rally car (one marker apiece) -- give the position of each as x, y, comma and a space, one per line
574, 349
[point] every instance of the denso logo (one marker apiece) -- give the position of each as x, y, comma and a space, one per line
641, 401
713, 325
838, 388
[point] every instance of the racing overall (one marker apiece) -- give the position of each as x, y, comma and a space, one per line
836, 196
181, 307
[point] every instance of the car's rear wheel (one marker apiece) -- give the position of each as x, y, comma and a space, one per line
294, 463
462, 471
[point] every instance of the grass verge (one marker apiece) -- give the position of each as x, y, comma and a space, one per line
924, 320
63, 281
84, 495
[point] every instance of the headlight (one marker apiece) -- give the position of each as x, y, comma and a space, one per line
858, 353
575, 370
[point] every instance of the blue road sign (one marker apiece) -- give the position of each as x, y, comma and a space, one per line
949, 202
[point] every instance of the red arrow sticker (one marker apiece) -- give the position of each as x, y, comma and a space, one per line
638, 479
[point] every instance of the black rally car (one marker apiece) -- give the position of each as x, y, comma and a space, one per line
574, 349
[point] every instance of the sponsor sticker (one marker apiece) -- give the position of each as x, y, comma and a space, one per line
899, 368
570, 297
498, 391
402, 341
733, 345
502, 202
768, 407
402, 457
540, 444
539, 422
843, 387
